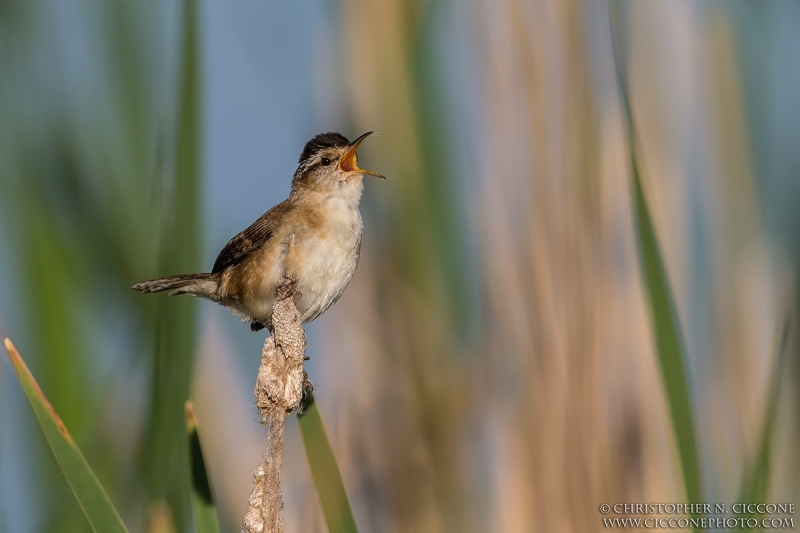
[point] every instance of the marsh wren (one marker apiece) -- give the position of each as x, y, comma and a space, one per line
311, 240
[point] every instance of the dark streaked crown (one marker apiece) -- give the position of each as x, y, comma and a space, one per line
321, 142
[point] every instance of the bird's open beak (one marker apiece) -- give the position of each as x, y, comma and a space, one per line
348, 162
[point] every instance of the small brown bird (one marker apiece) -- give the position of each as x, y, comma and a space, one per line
320, 218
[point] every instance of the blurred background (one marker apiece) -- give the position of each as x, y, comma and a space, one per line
491, 366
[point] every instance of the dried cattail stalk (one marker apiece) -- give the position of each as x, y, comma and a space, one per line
278, 391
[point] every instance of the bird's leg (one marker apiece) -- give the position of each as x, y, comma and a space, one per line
288, 286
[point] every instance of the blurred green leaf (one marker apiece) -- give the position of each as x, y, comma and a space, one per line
666, 328
669, 344
325, 471
75, 211
166, 450
91, 497
436, 200
206, 519
755, 482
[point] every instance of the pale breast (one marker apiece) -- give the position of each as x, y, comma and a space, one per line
324, 261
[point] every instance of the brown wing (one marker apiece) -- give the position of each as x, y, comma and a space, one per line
251, 239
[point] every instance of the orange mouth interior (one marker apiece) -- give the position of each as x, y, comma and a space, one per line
349, 161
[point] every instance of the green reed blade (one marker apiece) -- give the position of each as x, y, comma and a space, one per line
325, 471
165, 448
666, 328
755, 481
93, 500
206, 518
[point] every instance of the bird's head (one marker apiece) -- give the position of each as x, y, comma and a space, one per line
328, 164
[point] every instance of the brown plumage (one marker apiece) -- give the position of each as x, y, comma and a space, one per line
321, 215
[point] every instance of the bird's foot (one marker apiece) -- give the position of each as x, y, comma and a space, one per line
255, 325
308, 396
288, 288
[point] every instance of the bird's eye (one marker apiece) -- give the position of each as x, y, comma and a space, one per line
325, 161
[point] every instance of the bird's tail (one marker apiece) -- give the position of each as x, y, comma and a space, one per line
203, 285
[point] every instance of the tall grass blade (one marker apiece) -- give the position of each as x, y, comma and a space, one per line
448, 250
669, 345
666, 328
206, 519
166, 450
93, 500
325, 471
755, 482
